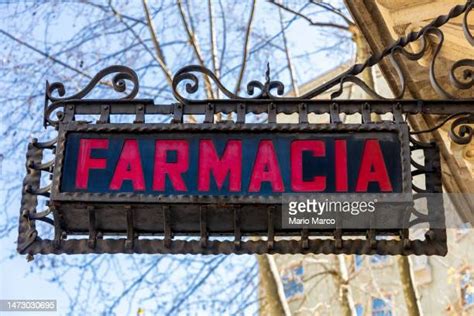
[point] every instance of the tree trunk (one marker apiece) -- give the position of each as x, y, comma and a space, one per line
270, 299
408, 287
346, 293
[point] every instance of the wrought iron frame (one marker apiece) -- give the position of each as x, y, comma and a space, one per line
66, 110
309, 241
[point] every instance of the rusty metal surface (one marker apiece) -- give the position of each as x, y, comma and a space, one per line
89, 221
122, 224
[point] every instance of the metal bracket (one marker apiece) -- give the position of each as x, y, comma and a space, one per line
68, 115
304, 238
203, 227
92, 228
303, 113
177, 113
405, 238
58, 231
167, 226
334, 113
237, 232
31, 235
366, 113
371, 238
140, 114
271, 227
241, 112
209, 114
397, 113
130, 229
338, 238
272, 114
104, 114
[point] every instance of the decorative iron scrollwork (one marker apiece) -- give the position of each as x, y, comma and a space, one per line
186, 74
468, 74
122, 73
399, 47
463, 135
423, 35
118, 83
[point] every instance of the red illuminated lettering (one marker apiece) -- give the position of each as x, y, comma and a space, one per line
174, 170
372, 168
340, 146
318, 148
229, 164
85, 162
129, 167
266, 168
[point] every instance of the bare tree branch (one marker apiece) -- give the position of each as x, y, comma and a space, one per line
215, 59
313, 23
288, 58
44, 54
159, 53
333, 9
196, 284
224, 35
246, 46
195, 45
212, 36
120, 15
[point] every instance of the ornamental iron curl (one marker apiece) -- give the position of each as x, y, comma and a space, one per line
464, 132
399, 47
186, 74
118, 83
460, 132
123, 73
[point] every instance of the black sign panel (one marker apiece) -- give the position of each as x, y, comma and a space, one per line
232, 164
220, 162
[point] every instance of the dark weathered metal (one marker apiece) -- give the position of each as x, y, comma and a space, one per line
236, 220
464, 134
398, 47
29, 243
240, 216
118, 83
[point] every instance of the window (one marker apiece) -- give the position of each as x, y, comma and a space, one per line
382, 306
467, 288
359, 309
378, 260
358, 261
292, 281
